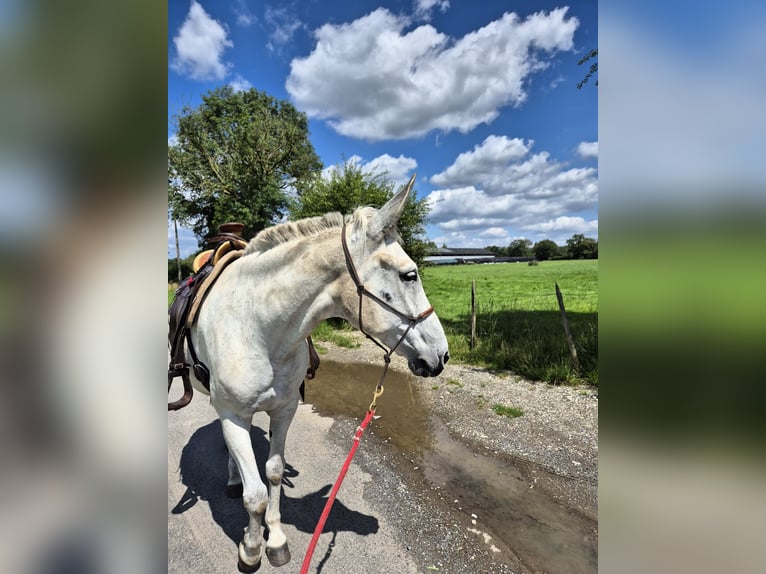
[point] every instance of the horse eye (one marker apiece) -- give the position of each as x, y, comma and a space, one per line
409, 276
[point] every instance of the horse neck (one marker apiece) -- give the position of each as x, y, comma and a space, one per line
299, 283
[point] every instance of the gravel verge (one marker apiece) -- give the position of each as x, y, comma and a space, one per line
555, 441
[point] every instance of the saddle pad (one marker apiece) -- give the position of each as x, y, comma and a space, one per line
219, 266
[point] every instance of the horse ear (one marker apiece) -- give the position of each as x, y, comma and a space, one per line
388, 215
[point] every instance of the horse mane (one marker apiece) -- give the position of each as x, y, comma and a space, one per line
308, 227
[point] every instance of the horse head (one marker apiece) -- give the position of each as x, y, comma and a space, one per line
389, 302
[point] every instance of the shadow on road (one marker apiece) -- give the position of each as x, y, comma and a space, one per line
203, 472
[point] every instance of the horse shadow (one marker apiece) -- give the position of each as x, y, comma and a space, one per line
204, 472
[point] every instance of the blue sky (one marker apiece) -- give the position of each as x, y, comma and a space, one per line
478, 98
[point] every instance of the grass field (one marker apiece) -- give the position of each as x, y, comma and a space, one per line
518, 322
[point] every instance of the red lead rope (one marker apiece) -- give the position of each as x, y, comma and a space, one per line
334, 492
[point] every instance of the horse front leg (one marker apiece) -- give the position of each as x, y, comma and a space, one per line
236, 433
277, 550
234, 484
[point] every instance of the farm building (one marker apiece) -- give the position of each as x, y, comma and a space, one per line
458, 255
513, 259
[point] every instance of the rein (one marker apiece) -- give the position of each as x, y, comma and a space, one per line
362, 291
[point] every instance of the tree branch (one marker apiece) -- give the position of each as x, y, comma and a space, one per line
593, 67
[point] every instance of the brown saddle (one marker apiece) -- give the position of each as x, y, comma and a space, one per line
187, 301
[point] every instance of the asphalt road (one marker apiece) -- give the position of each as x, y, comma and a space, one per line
204, 526
432, 505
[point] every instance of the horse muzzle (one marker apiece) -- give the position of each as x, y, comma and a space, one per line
422, 368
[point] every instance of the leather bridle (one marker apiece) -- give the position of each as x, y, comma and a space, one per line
362, 291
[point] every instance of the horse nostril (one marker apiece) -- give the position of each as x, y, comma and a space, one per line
446, 357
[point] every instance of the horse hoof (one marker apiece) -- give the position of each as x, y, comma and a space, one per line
234, 490
244, 567
244, 556
278, 556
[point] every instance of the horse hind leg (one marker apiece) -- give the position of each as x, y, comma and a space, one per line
277, 550
236, 433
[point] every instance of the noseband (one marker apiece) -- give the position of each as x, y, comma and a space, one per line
362, 291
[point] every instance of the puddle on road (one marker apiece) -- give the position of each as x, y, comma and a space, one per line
544, 534
346, 389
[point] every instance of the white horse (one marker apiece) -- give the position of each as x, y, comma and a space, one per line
251, 332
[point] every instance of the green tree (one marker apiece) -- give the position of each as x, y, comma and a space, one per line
520, 248
592, 249
186, 268
581, 247
498, 251
235, 159
545, 249
347, 187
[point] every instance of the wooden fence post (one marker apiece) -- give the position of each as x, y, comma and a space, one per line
568, 334
473, 313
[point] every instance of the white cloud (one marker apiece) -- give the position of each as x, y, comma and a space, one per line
173, 140
588, 150
457, 239
423, 8
494, 152
500, 185
566, 225
469, 207
556, 81
283, 26
373, 79
245, 18
240, 84
474, 224
200, 43
502, 167
495, 233
397, 169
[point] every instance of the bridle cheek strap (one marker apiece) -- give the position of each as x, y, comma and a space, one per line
362, 292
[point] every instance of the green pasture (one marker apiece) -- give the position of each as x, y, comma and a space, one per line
518, 322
